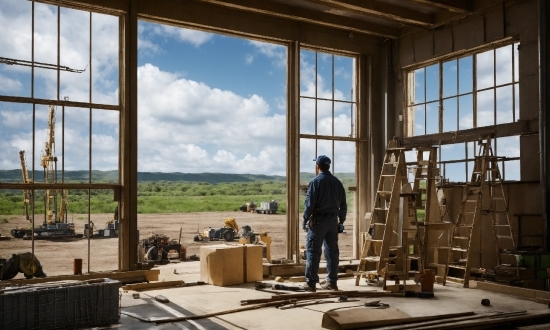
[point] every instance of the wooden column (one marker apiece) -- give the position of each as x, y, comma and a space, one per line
293, 215
128, 138
363, 193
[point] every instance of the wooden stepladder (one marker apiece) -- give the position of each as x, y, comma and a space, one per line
483, 202
382, 254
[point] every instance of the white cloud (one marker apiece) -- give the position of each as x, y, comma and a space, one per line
205, 129
193, 37
276, 53
249, 59
8, 85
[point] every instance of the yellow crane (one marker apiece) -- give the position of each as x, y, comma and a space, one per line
49, 163
27, 194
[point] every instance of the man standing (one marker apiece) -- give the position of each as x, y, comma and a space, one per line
325, 212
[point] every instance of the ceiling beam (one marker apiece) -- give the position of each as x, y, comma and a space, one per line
306, 15
455, 6
381, 10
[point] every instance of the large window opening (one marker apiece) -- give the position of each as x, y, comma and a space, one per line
328, 112
468, 92
212, 144
59, 133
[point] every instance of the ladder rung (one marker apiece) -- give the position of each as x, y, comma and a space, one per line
455, 279
381, 208
457, 266
459, 249
461, 237
384, 192
387, 175
505, 236
466, 226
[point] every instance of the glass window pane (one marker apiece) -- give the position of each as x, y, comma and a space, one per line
505, 105
344, 159
75, 54
455, 172
432, 118
105, 50
307, 116
324, 117
419, 120
504, 65
16, 128
454, 151
511, 170
516, 100
466, 112
105, 144
450, 115
485, 108
419, 85
324, 147
307, 73
342, 119
324, 76
343, 77
485, 69
450, 78
77, 141
465, 75
307, 165
508, 146
516, 63
432, 82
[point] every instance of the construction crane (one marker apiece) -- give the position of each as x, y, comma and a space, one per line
49, 163
27, 194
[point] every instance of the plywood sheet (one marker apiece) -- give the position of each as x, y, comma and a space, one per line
361, 318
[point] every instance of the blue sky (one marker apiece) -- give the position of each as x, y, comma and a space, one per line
207, 102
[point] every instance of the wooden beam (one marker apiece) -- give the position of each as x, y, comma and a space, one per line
306, 15
381, 10
455, 6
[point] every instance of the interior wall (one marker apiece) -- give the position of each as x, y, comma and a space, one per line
514, 19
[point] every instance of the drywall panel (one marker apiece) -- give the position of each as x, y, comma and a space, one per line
405, 51
423, 46
522, 20
529, 158
494, 25
468, 34
443, 42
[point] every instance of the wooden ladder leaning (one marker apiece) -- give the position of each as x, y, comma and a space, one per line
483, 200
375, 255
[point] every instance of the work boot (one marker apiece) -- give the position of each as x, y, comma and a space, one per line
329, 286
309, 288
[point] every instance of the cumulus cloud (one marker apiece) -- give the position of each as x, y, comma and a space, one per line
205, 129
276, 53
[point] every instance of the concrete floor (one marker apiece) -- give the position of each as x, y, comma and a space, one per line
203, 299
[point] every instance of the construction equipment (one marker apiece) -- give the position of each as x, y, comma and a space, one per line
228, 232
483, 202
248, 207
55, 223
268, 207
162, 246
27, 194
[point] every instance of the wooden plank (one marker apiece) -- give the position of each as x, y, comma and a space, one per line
152, 285
358, 318
150, 275
512, 290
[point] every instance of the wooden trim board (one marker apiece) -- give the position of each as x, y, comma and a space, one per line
512, 290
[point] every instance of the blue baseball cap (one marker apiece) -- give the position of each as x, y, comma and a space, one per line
322, 160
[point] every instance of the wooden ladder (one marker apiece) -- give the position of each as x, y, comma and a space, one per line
483, 199
375, 254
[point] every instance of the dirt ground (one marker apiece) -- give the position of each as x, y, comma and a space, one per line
57, 258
